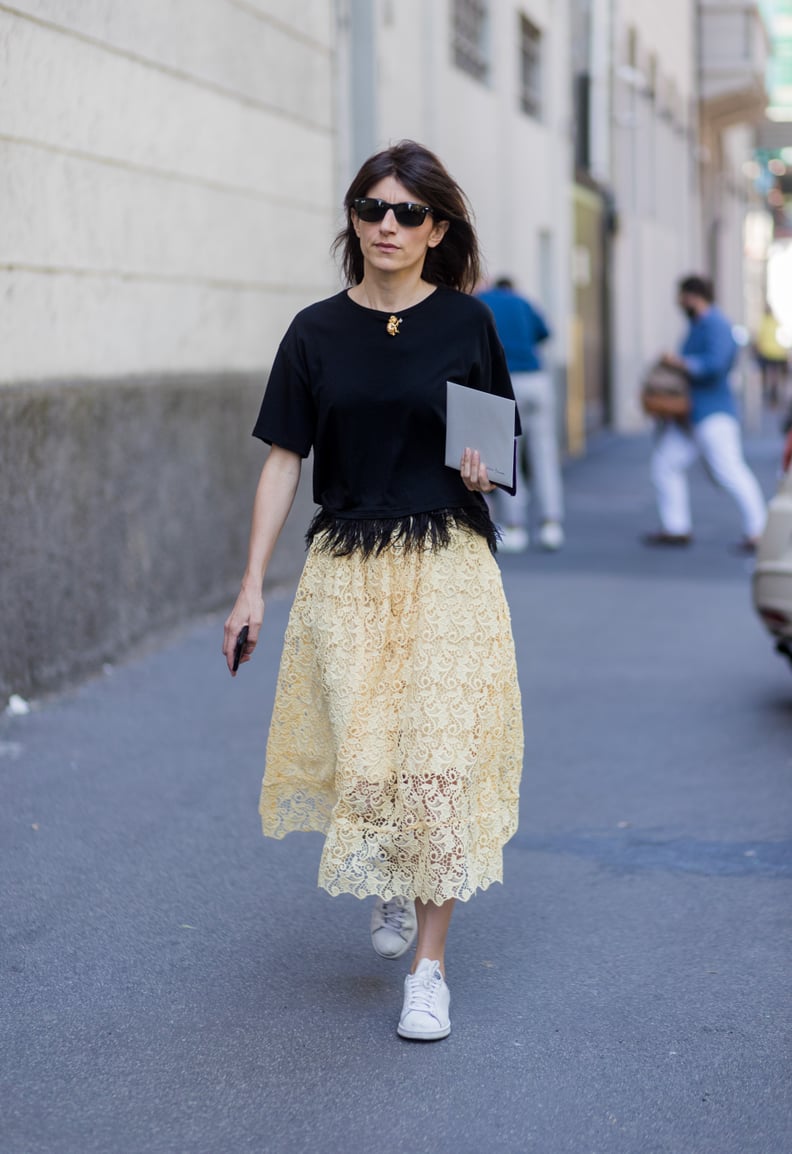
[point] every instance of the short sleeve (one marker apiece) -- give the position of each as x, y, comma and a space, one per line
500, 377
287, 416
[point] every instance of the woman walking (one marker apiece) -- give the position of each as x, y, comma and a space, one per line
396, 728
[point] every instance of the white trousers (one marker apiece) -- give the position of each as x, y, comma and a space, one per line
535, 396
717, 440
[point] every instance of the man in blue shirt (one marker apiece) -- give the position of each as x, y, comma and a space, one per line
521, 328
707, 355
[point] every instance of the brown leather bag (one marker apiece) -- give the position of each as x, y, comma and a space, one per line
665, 393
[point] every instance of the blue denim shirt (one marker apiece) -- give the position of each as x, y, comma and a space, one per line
709, 351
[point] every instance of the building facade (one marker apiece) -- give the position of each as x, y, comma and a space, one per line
171, 176
667, 97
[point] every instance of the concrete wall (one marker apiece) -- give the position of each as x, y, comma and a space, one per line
166, 180
167, 196
126, 507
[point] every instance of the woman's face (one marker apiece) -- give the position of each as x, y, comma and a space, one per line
386, 245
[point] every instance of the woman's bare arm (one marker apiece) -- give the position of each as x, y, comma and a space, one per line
274, 497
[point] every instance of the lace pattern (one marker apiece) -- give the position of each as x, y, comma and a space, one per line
397, 725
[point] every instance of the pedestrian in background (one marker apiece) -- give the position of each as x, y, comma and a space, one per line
773, 358
713, 432
522, 328
396, 728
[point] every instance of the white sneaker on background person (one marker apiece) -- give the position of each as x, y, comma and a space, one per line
393, 926
551, 536
513, 539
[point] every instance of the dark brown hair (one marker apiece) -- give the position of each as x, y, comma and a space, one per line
455, 261
698, 286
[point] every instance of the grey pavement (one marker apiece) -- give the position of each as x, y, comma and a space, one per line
172, 983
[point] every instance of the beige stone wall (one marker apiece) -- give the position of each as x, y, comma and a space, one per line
166, 180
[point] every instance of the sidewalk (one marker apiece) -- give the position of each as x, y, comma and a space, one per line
174, 984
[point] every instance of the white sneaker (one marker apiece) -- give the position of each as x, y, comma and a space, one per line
551, 536
513, 539
424, 1016
393, 926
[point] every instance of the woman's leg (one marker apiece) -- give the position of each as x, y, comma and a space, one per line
433, 923
539, 424
424, 1016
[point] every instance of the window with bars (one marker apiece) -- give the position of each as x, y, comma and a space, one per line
530, 68
471, 39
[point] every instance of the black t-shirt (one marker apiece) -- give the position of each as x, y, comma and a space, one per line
372, 406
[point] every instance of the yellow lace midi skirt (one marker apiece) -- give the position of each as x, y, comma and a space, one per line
397, 725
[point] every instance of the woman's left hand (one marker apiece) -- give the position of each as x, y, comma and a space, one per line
474, 472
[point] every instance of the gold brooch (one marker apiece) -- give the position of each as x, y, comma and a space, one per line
392, 327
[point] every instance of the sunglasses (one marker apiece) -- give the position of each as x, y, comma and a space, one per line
408, 214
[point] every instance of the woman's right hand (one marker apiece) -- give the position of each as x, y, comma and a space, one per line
248, 610
277, 485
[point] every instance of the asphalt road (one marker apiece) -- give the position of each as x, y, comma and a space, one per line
174, 984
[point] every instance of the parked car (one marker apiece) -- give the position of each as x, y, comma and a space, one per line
772, 579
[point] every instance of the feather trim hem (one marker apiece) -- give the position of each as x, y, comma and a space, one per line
370, 535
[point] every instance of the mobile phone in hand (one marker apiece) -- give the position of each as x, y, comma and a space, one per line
240, 645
